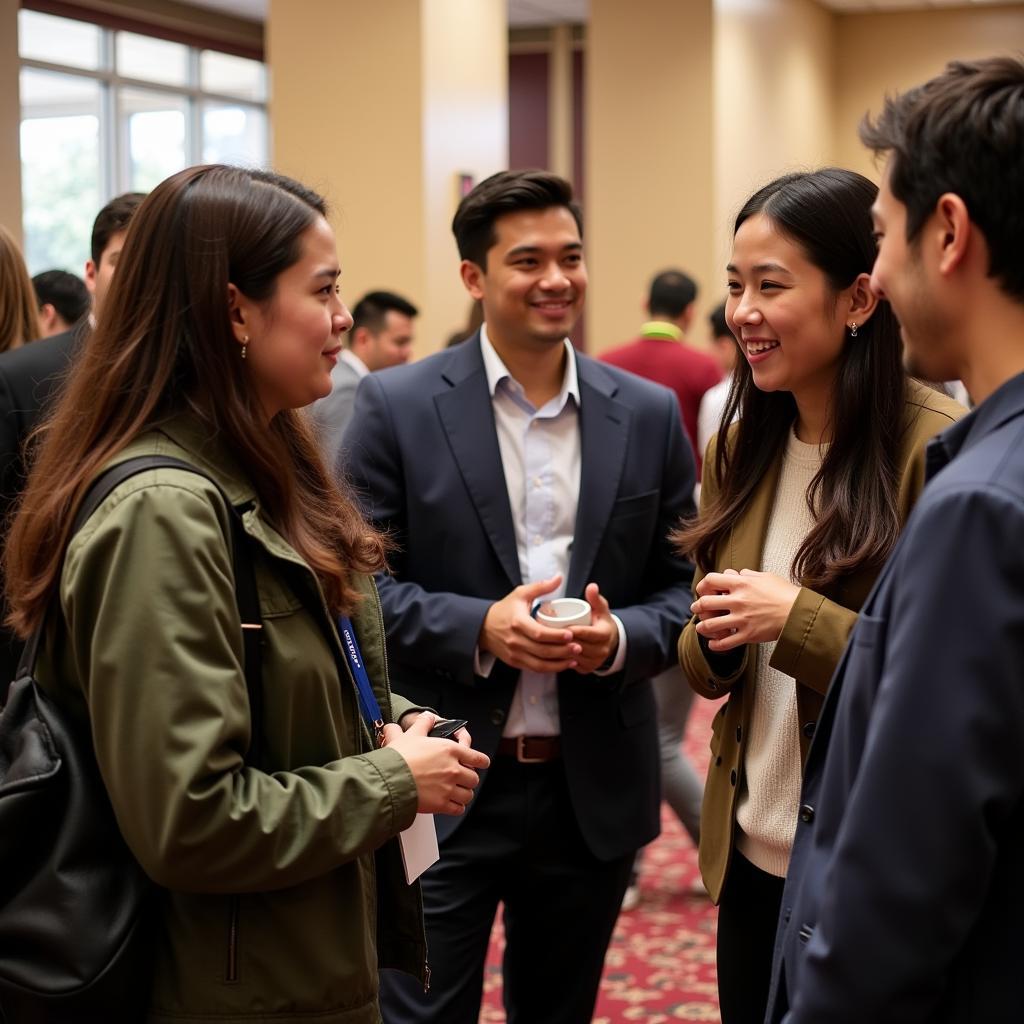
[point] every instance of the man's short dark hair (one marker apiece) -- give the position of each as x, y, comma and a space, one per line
114, 217
719, 328
671, 292
372, 309
962, 132
65, 292
501, 193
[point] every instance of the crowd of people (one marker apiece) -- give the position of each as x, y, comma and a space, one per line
434, 738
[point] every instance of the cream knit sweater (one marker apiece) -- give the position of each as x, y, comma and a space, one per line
767, 808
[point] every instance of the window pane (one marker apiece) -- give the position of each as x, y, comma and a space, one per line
154, 126
234, 76
234, 134
60, 168
58, 40
154, 60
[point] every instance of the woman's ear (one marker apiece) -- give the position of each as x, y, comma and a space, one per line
239, 313
862, 301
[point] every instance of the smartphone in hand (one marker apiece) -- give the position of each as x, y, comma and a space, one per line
445, 728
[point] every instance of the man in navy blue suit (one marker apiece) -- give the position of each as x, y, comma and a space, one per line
509, 469
905, 893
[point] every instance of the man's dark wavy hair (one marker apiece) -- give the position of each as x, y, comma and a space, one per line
501, 193
962, 132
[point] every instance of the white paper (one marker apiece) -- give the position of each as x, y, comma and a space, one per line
419, 846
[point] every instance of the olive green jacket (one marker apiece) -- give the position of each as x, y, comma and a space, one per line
811, 641
282, 885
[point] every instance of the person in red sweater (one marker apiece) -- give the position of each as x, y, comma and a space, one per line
661, 353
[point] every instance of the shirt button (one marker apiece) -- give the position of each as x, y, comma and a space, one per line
497, 716
807, 814
537, 482
533, 700
537, 541
808, 729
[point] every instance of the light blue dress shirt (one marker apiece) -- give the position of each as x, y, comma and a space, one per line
540, 454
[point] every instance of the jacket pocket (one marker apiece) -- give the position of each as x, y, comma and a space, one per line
635, 504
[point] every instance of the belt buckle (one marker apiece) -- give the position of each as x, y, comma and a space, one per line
521, 752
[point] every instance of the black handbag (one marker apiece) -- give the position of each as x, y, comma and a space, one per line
76, 910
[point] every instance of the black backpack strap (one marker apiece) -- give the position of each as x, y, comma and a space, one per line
246, 594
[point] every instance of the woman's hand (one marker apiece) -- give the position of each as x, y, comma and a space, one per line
445, 771
746, 607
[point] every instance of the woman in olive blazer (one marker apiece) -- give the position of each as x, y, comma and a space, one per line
799, 509
811, 641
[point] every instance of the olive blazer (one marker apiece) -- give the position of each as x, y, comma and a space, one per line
812, 639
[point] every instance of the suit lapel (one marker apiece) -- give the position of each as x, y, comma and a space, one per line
604, 433
467, 417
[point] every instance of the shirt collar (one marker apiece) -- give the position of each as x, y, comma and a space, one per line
661, 329
1005, 403
349, 357
497, 371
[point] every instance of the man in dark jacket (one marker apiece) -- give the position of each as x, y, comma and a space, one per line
906, 884
512, 468
30, 378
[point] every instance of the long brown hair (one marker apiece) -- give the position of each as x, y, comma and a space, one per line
163, 345
19, 311
854, 496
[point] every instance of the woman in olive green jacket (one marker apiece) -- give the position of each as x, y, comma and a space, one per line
281, 887
799, 509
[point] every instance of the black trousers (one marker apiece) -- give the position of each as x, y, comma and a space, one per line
748, 913
519, 845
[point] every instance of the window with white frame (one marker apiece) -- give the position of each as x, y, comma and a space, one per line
106, 111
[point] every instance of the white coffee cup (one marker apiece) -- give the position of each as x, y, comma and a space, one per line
564, 611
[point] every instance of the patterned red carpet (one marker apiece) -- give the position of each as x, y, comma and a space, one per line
661, 964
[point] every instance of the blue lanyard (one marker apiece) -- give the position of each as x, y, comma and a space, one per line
367, 700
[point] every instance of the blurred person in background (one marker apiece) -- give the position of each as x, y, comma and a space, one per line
663, 354
63, 300
381, 335
19, 317
31, 377
712, 405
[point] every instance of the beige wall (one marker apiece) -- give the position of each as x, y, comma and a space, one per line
648, 154
417, 92
465, 118
773, 102
10, 120
883, 53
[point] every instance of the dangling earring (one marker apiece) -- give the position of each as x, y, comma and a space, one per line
853, 330
245, 344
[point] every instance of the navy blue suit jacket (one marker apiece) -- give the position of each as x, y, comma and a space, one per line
905, 895
422, 450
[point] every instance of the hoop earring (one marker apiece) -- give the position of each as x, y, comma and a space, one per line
853, 330
245, 344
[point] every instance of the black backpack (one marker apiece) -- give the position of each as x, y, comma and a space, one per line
76, 909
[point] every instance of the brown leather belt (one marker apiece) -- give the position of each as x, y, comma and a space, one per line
531, 749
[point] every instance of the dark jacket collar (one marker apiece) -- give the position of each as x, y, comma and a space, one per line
1004, 404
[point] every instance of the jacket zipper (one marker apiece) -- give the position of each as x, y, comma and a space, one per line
232, 964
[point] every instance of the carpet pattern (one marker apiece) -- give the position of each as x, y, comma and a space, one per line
660, 967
